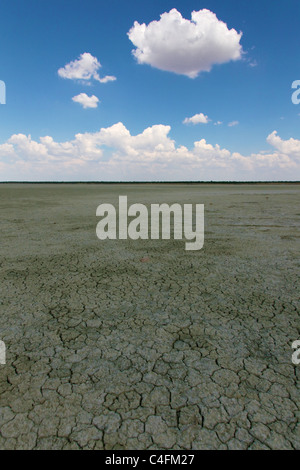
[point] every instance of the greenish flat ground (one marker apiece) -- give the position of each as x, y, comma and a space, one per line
190, 350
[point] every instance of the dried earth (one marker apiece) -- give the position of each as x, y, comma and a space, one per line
189, 350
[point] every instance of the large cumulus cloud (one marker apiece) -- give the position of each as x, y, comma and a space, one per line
183, 46
114, 154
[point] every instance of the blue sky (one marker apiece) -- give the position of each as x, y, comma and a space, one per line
253, 91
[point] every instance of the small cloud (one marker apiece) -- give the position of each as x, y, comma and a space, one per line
218, 123
86, 101
253, 63
197, 119
233, 123
84, 68
106, 79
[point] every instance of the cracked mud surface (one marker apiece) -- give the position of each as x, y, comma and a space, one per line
189, 350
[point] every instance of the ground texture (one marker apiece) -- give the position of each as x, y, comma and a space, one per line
189, 350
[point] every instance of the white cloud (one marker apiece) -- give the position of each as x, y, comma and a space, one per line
218, 123
86, 101
84, 68
112, 153
288, 147
106, 79
183, 46
197, 119
253, 63
233, 123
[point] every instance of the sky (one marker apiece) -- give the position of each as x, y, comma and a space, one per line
149, 91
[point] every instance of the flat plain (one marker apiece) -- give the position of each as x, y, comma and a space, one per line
189, 350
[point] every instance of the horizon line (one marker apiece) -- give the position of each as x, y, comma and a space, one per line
153, 182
